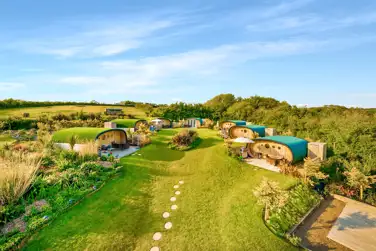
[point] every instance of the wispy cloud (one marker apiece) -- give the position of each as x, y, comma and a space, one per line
113, 38
158, 73
310, 23
10, 86
284, 7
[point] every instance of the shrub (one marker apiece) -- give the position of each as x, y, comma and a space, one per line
111, 158
10, 212
17, 173
90, 167
63, 164
300, 200
72, 178
184, 138
69, 155
103, 158
294, 240
47, 161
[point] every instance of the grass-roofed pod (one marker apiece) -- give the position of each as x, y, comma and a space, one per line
125, 123
117, 138
247, 131
140, 122
288, 148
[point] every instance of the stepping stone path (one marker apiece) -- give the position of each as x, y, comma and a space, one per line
174, 207
168, 225
157, 236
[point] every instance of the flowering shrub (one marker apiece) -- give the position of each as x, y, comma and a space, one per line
185, 140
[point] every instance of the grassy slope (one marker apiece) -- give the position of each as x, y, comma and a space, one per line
83, 133
217, 210
125, 123
66, 109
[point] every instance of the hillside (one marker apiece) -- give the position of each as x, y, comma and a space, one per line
35, 112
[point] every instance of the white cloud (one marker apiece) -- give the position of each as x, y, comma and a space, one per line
10, 86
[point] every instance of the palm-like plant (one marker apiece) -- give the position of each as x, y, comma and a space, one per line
73, 141
312, 170
357, 179
270, 195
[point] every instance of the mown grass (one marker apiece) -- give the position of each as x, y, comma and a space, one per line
217, 209
35, 112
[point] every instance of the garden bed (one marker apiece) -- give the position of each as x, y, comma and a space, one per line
64, 179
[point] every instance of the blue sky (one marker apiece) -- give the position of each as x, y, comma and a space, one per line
310, 52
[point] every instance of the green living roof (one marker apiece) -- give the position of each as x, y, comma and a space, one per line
297, 146
125, 123
257, 128
83, 134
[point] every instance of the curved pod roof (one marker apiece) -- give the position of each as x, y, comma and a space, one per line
82, 133
236, 122
165, 120
141, 121
254, 128
297, 146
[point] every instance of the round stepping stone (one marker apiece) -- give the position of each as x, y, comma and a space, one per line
174, 207
176, 186
177, 192
157, 236
168, 225
173, 199
154, 249
166, 215
181, 182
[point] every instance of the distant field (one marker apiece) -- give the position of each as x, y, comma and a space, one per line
65, 109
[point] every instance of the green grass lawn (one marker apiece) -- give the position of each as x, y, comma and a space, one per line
35, 112
217, 209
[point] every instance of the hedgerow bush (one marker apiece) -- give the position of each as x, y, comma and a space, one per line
69, 177
300, 200
185, 140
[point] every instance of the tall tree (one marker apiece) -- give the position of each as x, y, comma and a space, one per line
220, 103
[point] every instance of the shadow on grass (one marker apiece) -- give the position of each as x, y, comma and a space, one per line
208, 142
